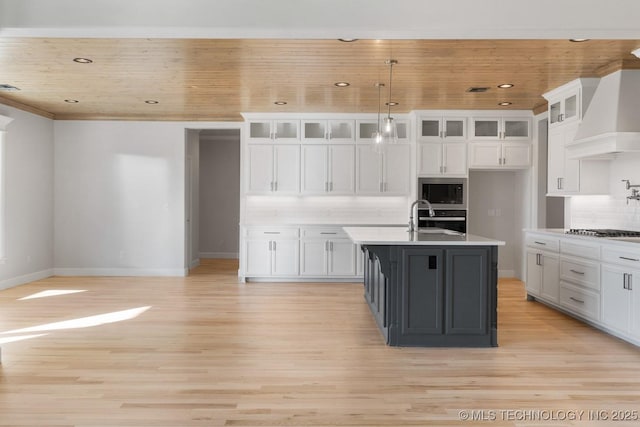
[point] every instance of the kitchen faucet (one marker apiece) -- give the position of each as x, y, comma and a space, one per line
413, 227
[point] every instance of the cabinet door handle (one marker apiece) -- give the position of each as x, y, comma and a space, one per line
331, 186
444, 133
331, 246
441, 134
576, 300
538, 259
271, 186
326, 246
629, 283
624, 281
275, 186
561, 117
577, 272
274, 245
629, 259
275, 135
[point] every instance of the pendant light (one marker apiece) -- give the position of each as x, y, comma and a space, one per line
377, 135
389, 129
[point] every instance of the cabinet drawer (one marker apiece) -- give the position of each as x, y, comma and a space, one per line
580, 249
323, 233
272, 232
581, 272
580, 301
622, 256
543, 242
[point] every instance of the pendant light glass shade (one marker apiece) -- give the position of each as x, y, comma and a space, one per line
377, 137
389, 129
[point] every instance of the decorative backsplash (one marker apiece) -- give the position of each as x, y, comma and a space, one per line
610, 211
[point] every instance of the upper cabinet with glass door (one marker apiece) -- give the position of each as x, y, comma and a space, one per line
366, 129
333, 131
274, 131
568, 102
508, 128
442, 128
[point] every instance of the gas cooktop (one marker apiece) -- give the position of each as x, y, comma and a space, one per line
603, 232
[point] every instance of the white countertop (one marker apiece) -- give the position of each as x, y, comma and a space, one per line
631, 242
400, 236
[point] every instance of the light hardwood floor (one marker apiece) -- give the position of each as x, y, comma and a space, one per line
212, 352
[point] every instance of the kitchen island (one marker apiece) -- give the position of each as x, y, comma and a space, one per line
431, 287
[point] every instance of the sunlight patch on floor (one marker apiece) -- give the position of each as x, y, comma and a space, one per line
52, 293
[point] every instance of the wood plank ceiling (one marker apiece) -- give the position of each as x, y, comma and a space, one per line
206, 79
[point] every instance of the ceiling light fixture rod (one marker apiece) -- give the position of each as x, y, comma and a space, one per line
390, 63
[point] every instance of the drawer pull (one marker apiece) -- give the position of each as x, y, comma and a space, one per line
577, 272
326, 232
271, 232
629, 259
576, 300
540, 243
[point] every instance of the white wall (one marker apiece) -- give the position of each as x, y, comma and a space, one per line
219, 195
499, 204
192, 202
29, 198
610, 211
119, 205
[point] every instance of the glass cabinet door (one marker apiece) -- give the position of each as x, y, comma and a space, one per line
314, 130
486, 128
570, 107
554, 112
260, 130
430, 128
286, 130
454, 128
516, 128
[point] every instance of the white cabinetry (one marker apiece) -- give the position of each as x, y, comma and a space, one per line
328, 169
568, 102
335, 131
271, 252
621, 290
327, 252
301, 253
563, 173
508, 128
499, 155
274, 130
580, 278
366, 129
385, 173
442, 128
442, 159
273, 168
542, 279
567, 176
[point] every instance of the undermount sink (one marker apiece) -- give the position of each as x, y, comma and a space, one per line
436, 231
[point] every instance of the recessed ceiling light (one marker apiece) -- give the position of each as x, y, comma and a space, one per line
8, 88
71, 101
280, 103
348, 40
342, 84
82, 60
151, 101
505, 85
392, 103
578, 40
504, 104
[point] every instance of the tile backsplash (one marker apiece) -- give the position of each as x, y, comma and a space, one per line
611, 211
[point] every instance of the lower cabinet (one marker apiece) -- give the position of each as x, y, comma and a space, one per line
433, 296
543, 274
327, 258
620, 300
272, 257
305, 252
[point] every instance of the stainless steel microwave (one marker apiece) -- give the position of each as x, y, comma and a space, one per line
444, 193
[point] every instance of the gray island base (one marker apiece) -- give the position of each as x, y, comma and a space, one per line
430, 289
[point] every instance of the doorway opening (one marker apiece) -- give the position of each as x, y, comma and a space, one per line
212, 197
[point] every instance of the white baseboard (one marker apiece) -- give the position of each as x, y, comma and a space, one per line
194, 263
164, 272
21, 280
506, 273
226, 255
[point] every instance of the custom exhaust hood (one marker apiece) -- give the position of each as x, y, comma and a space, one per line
611, 122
